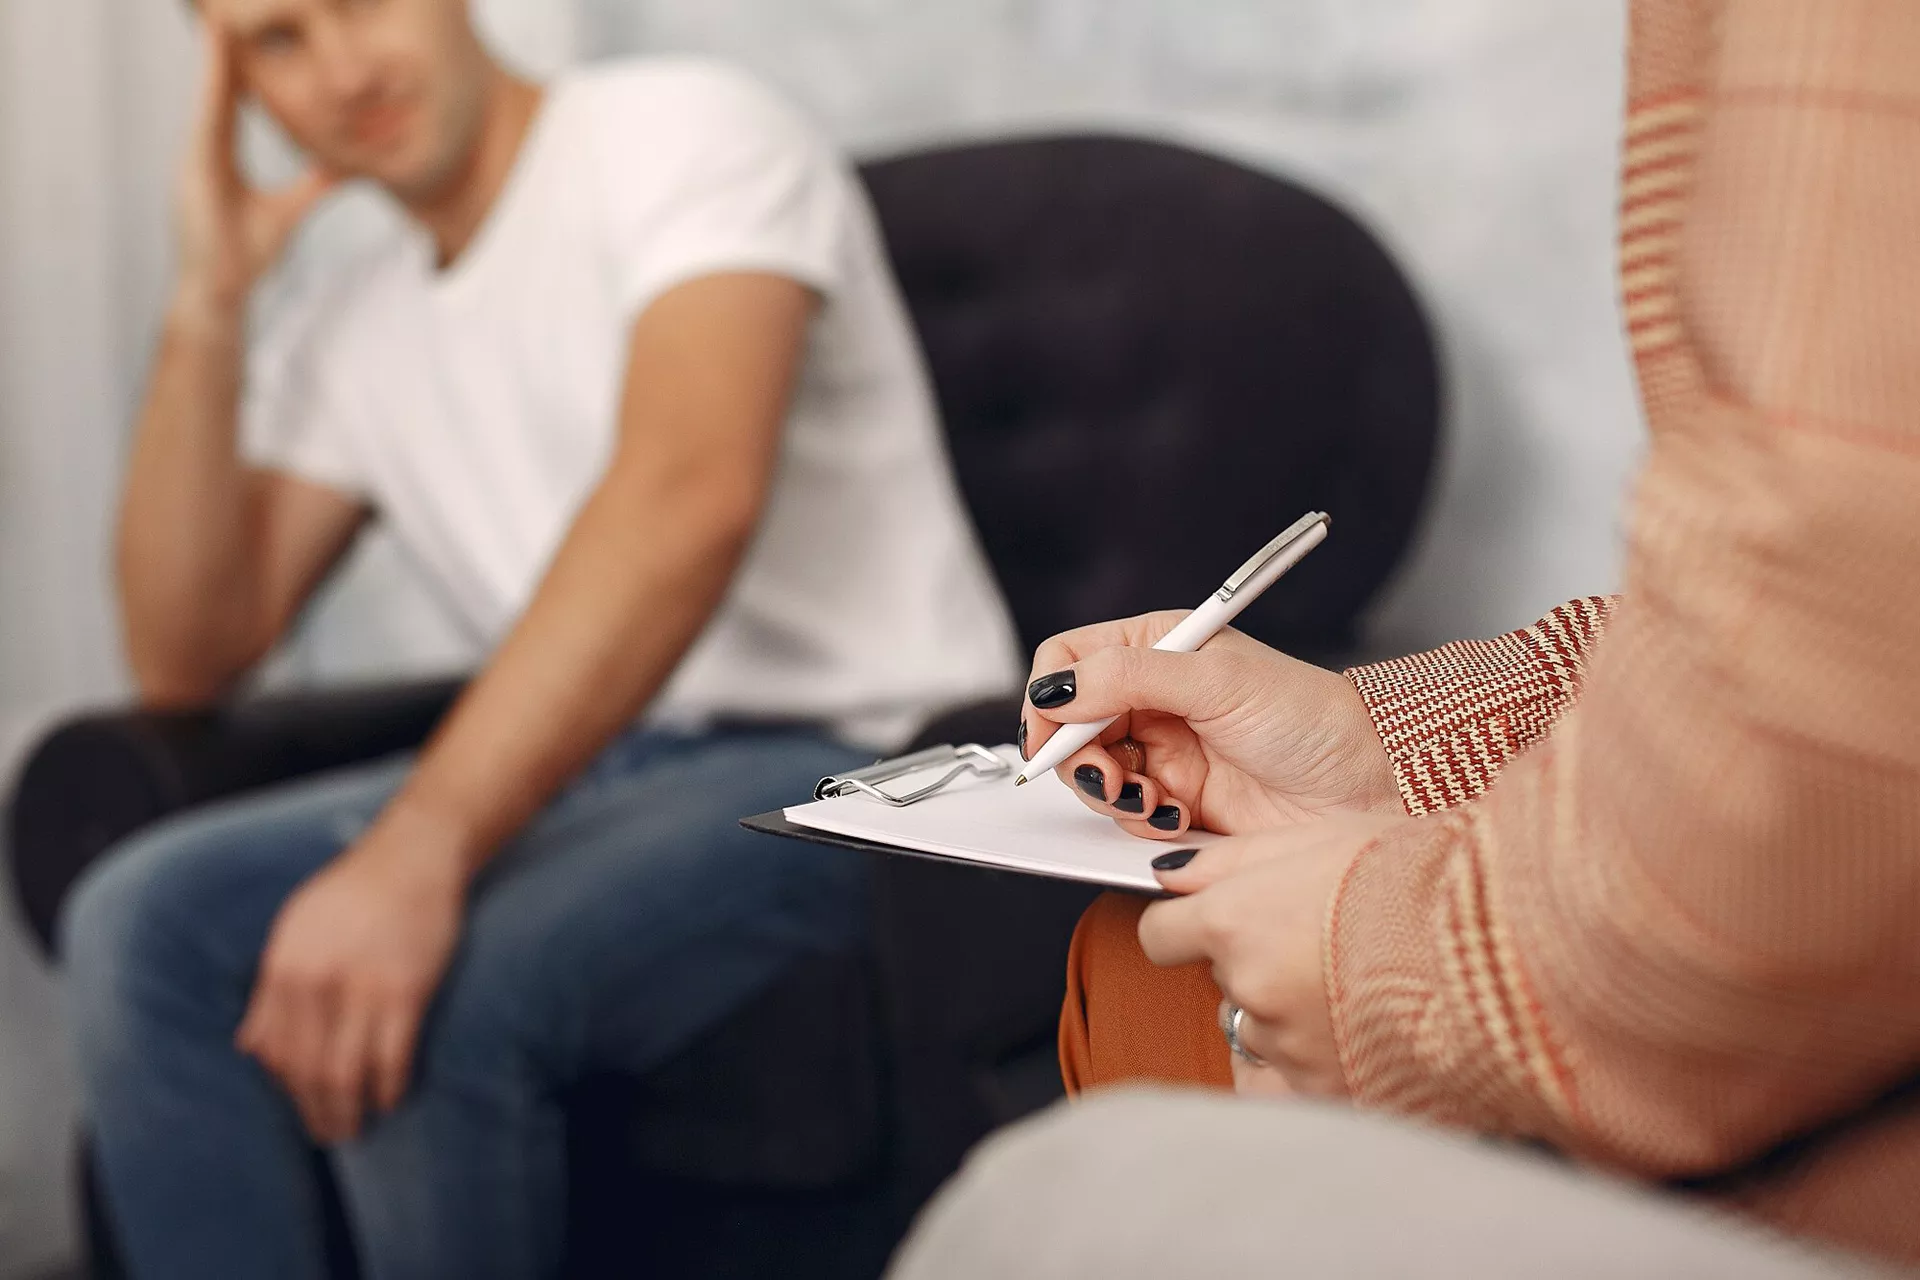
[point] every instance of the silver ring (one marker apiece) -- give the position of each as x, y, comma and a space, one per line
1230, 1016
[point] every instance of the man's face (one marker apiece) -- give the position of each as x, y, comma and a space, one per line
391, 90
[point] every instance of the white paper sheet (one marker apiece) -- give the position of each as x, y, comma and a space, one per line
1041, 828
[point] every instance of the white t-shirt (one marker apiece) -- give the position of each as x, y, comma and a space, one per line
475, 408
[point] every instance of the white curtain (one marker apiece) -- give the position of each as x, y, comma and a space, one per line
81, 171
1478, 136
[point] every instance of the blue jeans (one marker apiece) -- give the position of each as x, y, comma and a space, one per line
630, 915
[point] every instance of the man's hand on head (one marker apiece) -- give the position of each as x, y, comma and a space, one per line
349, 968
229, 233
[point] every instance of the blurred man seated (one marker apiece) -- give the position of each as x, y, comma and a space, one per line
636, 391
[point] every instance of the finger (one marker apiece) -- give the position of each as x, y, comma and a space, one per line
265, 1035
303, 1033
1135, 798
393, 1048
1036, 730
1225, 858
1142, 631
1213, 864
1281, 1035
339, 1091
1168, 817
275, 1021
1279, 845
1281, 1067
1094, 774
219, 94
1140, 803
1171, 933
258, 1032
1143, 808
1067, 648
1059, 652
1259, 1082
1263, 1040
1191, 686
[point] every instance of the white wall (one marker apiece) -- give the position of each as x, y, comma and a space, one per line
1477, 136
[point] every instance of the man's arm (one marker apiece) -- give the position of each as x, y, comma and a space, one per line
359, 950
710, 372
215, 557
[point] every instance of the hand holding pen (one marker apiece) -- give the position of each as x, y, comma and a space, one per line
1162, 722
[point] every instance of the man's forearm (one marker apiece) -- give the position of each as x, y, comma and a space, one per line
640, 572
633, 585
188, 599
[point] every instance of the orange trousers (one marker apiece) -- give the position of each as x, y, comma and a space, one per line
1127, 1021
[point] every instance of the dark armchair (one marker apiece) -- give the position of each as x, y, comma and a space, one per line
1149, 360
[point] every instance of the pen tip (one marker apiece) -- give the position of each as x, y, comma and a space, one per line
1020, 781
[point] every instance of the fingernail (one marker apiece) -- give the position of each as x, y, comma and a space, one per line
1090, 780
1130, 801
1175, 860
1020, 739
1056, 690
1165, 818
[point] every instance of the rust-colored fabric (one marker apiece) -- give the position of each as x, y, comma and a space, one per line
1680, 934
1126, 1021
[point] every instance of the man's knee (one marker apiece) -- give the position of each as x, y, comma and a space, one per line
177, 910
115, 932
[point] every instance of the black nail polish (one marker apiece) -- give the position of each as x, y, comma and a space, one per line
1090, 780
1020, 740
1175, 860
1131, 800
1056, 690
1165, 818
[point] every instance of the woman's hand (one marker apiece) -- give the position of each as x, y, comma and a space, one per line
1237, 737
1255, 907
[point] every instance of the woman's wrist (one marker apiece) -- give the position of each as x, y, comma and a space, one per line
1376, 785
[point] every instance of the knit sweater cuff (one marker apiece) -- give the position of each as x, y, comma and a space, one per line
1453, 717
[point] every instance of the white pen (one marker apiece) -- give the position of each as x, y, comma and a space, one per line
1246, 585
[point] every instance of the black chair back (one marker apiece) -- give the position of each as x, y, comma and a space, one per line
1151, 361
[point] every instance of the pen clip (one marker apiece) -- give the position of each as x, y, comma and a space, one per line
1264, 556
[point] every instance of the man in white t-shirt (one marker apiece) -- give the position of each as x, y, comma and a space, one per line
635, 390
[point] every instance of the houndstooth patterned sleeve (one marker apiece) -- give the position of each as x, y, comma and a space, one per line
1452, 718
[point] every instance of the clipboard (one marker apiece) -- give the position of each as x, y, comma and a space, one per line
958, 805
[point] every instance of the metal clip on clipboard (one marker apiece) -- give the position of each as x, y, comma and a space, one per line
971, 758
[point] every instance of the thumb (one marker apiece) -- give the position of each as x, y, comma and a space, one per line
1191, 870
1215, 862
1192, 686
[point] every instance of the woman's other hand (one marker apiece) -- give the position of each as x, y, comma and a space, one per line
1237, 737
1255, 908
